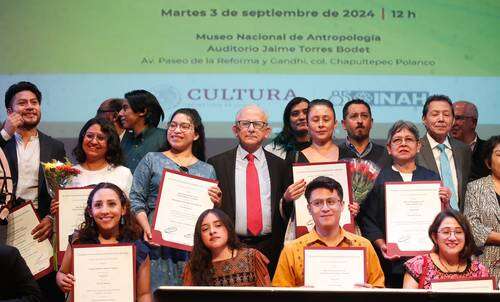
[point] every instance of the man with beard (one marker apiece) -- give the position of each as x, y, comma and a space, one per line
294, 136
357, 122
26, 147
464, 129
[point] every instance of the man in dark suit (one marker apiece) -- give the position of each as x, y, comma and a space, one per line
253, 181
17, 283
26, 147
464, 129
442, 154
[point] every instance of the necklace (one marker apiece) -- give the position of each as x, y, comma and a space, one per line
448, 269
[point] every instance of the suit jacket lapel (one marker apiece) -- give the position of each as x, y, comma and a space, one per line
45, 154
427, 155
230, 178
11, 153
273, 179
458, 160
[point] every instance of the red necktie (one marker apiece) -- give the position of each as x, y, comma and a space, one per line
254, 207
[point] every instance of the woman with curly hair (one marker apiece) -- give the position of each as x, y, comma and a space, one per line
219, 259
108, 220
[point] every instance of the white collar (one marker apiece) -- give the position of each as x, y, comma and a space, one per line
434, 144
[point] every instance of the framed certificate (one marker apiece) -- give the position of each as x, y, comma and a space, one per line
38, 255
410, 208
181, 199
309, 171
104, 272
334, 267
72, 204
465, 284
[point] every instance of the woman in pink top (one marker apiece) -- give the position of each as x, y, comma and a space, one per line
451, 256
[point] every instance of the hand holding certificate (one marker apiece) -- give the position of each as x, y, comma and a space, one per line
410, 209
104, 273
72, 204
336, 170
38, 255
334, 268
181, 200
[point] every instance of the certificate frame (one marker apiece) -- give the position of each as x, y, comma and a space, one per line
59, 252
337, 248
350, 226
156, 234
392, 247
50, 268
467, 279
134, 266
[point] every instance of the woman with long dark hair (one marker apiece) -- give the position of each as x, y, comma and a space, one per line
294, 136
219, 259
450, 257
108, 220
186, 147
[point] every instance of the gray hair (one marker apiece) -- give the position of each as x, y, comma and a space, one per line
400, 125
470, 108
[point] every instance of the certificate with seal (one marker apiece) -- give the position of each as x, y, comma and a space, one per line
336, 170
334, 267
104, 272
465, 284
410, 208
72, 204
38, 255
181, 199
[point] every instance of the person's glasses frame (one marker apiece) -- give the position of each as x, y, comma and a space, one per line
259, 125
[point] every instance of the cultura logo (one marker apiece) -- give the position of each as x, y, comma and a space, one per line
240, 94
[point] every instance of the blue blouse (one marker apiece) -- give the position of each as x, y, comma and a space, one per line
147, 177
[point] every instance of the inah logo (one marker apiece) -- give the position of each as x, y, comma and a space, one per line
380, 98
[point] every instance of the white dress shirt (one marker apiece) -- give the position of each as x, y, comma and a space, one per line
28, 164
240, 191
449, 153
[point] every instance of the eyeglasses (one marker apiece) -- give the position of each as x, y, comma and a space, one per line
330, 203
98, 137
256, 124
447, 232
462, 117
400, 140
183, 126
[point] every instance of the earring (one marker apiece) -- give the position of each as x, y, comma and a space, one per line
122, 221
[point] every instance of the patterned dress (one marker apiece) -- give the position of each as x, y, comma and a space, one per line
247, 268
424, 271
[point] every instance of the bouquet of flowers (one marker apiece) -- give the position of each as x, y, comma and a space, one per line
58, 175
363, 175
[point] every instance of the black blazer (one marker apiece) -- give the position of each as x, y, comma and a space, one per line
225, 169
18, 284
461, 158
479, 168
50, 148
